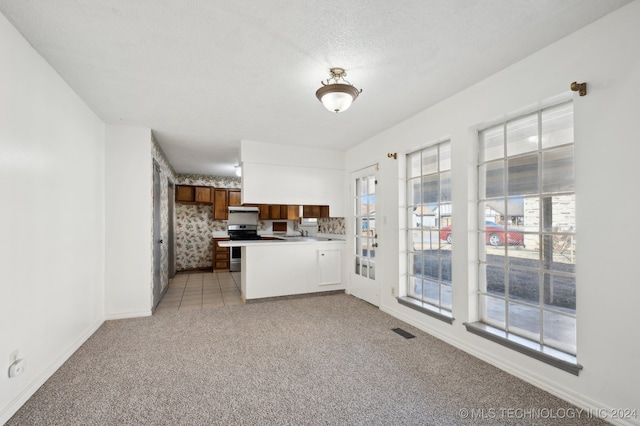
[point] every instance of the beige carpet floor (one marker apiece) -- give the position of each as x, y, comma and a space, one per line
327, 360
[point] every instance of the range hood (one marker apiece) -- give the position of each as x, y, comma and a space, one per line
243, 209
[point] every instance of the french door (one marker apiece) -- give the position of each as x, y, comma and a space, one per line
364, 236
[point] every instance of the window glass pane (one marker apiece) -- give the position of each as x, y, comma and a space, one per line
524, 285
431, 292
492, 143
493, 311
491, 177
413, 165
495, 280
557, 170
560, 292
525, 256
445, 187
524, 321
430, 189
557, 125
430, 240
415, 287
445, 267
495, 255
522, 135
431, 267
430, 160
560, 332
445, 296
415, 194
415, 263
523, 175
564, 253
445, 157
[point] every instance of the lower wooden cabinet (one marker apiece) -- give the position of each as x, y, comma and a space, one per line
221, 255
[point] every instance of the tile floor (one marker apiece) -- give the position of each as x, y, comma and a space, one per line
201, 290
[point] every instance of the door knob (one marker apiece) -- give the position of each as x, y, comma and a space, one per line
160, 241
374, 245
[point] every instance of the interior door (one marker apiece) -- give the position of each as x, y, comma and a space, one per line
172, 242
364, 236
157, 236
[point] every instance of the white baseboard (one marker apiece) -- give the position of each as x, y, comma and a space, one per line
38, 381
553, 388
124, 315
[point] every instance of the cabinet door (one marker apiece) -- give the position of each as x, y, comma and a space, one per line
234, 198
220, 204
324, 211
274, 210
203, 194
265, 212
293, 212
185, 193
329, 267
311, 211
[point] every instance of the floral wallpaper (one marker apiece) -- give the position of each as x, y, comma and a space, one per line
214, 181
194, 247
332, 225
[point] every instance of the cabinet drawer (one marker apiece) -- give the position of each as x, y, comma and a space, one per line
218, 264
221, 256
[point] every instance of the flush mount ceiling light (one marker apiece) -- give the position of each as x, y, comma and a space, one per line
238, 170
337, 96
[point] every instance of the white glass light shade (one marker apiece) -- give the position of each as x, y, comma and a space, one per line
337, 97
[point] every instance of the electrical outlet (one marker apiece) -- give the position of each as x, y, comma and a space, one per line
14, 356
393, 291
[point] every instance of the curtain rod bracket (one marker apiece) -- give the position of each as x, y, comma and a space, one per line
579, 87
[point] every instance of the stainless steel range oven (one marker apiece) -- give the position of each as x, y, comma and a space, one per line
242, 225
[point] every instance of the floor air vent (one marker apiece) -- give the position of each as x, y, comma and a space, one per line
403, 333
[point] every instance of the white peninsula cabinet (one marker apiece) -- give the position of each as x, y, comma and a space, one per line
284, 268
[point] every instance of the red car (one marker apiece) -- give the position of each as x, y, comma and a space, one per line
495, 235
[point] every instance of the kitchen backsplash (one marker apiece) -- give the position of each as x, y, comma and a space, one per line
332, 225
215, 181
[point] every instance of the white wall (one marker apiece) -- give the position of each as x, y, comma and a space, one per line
279, 174
129, 220
51, 220
607, 172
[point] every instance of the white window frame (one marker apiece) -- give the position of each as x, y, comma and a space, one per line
563, 357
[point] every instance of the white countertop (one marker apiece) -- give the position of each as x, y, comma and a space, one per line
280, 241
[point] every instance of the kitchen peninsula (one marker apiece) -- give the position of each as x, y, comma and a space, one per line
289, 266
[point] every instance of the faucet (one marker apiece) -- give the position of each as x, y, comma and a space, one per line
304, 233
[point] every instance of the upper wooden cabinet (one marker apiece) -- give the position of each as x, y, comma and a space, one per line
234, 197
185, 193
203, 194
220, 204
315, 211
222, 199
193, 194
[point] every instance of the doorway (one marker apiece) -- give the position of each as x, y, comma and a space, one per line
364, 236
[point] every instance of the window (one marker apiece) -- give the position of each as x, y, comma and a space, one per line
429, 230
526, 237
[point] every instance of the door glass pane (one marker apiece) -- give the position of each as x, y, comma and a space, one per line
415, 192
372, 270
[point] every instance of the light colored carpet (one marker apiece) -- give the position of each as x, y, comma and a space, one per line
330, 360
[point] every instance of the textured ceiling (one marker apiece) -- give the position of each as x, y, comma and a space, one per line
205, 74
